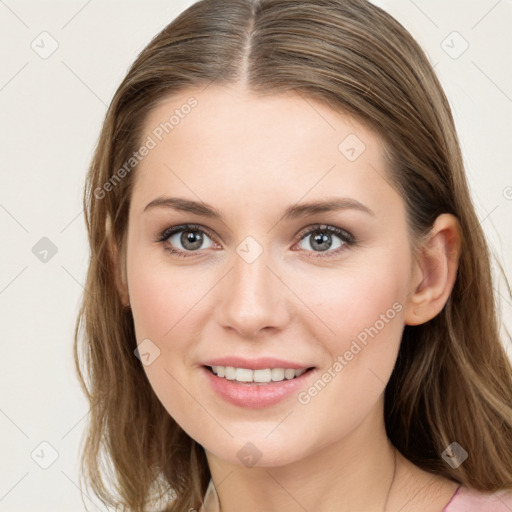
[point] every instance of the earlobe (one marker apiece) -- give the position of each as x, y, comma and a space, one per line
435, 271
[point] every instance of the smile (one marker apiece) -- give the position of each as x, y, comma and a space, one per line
262, 376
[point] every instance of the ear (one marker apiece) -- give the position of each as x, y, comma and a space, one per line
117, 259
435, 270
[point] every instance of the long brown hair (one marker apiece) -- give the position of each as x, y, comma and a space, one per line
452, 380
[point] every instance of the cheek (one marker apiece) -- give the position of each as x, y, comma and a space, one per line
359, 319
344, 303
367, 318
161, 296
162, 302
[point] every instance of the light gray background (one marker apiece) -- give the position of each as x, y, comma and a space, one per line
51, 111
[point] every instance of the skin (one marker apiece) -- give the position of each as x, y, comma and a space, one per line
250, 157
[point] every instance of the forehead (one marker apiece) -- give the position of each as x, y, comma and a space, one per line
285, 120
229, 142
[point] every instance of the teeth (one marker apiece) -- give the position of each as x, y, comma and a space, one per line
289, 374
243, 375
263, 376
277, 374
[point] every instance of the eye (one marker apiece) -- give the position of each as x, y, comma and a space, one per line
188, 239
189, 236
321, 240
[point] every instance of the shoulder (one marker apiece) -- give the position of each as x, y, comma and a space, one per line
471, 500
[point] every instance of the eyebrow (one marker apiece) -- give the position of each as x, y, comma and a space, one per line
293, 211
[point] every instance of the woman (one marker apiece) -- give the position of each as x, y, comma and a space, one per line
289, 303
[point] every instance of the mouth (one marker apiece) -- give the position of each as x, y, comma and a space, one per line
268, 381
261, 376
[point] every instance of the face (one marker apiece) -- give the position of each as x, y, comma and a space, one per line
266, 285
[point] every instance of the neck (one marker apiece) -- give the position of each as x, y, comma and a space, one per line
355, 473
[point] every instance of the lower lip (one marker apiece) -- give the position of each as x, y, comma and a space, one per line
252, 395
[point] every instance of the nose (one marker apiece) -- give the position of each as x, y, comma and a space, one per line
253, 298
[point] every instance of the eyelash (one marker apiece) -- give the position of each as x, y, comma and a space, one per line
347, 238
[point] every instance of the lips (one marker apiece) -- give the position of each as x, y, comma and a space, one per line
255, 383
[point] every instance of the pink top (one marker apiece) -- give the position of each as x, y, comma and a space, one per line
469, 500
463, 500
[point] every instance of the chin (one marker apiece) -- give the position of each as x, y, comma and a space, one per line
259, 452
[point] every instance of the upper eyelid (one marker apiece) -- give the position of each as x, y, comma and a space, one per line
167, 232
324, 227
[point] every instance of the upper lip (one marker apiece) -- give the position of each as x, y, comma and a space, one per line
259, 363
